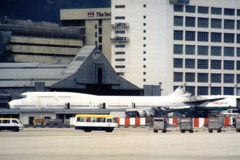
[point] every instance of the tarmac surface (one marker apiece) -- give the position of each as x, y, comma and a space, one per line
123, 143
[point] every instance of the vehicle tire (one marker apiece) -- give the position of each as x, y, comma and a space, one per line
210, 131
236, 131
219, 131
182, 131
14, 129
190, 131
86, 130
108, 130
155, 131
164, 131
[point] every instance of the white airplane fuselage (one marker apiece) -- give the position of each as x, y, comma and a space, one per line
59, 100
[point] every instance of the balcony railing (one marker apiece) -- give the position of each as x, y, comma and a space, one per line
120, 40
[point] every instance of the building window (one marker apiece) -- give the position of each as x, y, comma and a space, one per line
203, 10
120, 46
178, 35
100, 22
144, 17
95, 26
228, 78
144, 45
144, 66
100, 47
202, 91
95, 43
228, 24
190, 22
119, 6
178, 63
228, 65
216, 23
202, 63
203, 36
238, 12
203, 50
190, 50
119, 59
216, 37
228, 90
216, 64
117, 53
229, 51
144, 52
190, 63
190, 9
177, 76
144, 80
238, 38
189, 77
190, 89
229, 12
144, 38
228, 38
238, 65
122, 66
144, 24
217, 11
144, 5
203, 77
119, 32
95, 34
216, 51
203, 22
238, 78
190, 36
178, 49
216, 78
178, 21
119, 18
100, 31
144, 73
144, 31
178, 8
100, 39
216, 91
144, 59
238, 52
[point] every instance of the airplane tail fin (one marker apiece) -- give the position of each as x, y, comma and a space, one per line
180, 92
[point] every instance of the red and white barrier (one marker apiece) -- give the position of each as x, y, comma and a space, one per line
197, 122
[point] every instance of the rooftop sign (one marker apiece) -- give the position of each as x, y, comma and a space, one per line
179, 1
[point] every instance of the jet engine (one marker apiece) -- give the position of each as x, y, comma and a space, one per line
141, 113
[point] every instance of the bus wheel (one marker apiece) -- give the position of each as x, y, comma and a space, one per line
14, 129
87, 130
108, 130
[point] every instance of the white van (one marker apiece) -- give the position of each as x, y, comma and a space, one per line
12, 124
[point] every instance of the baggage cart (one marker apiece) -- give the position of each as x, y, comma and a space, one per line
215, 123
185, 124
159, 124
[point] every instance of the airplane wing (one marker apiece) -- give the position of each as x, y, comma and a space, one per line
198, 101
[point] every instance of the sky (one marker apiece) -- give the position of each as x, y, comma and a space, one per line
45, 10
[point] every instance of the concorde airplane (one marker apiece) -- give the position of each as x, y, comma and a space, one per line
135, 105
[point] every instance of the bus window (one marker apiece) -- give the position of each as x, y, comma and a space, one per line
109, 120
15, 121
93, 119
6, 121
78, 119
102, 120
82, 119
98, 119
88, 119
0, 121
114, 120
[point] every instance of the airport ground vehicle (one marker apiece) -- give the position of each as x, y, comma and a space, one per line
96, 122
12, 124
159, 124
